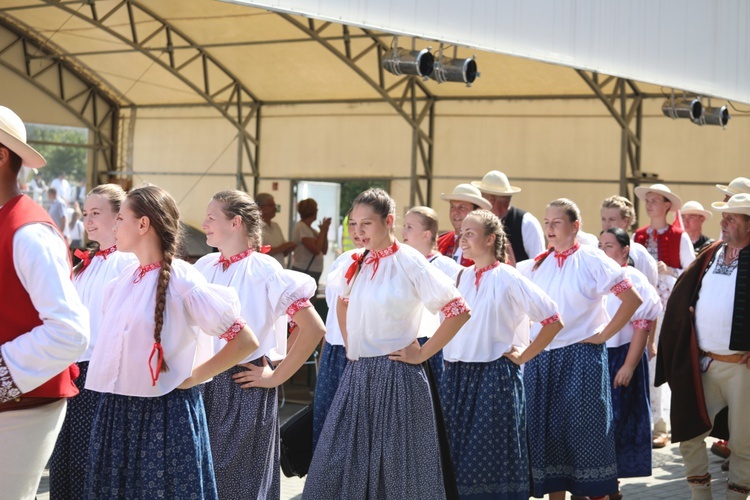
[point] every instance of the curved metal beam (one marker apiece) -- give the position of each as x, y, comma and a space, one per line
93, 102
234, 109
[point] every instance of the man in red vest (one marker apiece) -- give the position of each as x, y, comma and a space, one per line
673, 251
464, 199
45, 327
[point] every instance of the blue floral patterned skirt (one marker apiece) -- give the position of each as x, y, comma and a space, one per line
631, 407
485, 416
332, 363
146, 448
379, 439
67, 469
571, 432
243, 427
437, 363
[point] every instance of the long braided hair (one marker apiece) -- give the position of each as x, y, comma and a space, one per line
114, 194
164, 217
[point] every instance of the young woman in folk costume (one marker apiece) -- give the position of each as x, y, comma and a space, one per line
420, 231
99, 265
380, 437
482, 389
333, 356
149, 436
628, 365
571, 438
243, 423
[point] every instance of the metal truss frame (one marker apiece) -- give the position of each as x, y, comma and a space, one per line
72, 86
624, 101
232, 98
408, 96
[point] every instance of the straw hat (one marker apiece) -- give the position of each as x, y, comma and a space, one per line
737, 186
693, 207
737, 204
13, 137
467, 192
496, 182
642, 191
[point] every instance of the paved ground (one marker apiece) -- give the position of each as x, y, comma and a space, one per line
666, 482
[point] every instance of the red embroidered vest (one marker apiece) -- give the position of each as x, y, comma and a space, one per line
17, 313
668, 244
446, 244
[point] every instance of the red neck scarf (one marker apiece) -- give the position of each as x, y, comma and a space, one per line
87, 258
560, 256
236, 258
371, 258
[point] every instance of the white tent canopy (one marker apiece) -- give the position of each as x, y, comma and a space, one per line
696, 45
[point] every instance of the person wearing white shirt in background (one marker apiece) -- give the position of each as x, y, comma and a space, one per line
333, 356
149, 436
482, 389
45, 325
420, 231
99, 264
272, 235
523, 230
243, 422
571, 438
673, 251
312, 245
628, 366
380, 438
62, 186
618, 211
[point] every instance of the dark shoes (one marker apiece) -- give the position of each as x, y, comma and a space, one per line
721, 449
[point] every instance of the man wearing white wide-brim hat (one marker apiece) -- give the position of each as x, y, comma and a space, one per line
522, 229
45, 327
737, 186
673, 251
464, 199
709, 325
693, 217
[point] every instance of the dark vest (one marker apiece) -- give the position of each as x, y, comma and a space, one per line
512, 225
18, 315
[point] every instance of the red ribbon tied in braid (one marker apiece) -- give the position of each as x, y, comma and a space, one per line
84, 255
157, 351
357, 258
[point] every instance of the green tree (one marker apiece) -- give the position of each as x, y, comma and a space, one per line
350, 190
60, 146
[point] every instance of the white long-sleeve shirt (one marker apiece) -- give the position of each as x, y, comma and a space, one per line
40, 258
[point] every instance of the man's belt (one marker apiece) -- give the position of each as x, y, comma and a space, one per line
726, 358
23, 403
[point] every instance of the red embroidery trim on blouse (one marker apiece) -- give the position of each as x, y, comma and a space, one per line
561, 256
643, 324
455, 307
297, 306
480, 272
621, 287
233, 330
345, 300
234, 258
374, 257
107, 251
143, 270
551, 319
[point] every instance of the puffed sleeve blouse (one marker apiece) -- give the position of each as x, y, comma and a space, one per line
194, 312
386, 298
644, 317
267, 292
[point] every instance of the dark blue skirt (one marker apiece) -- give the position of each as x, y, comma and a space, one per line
332, 363
67, 466
243, 426
146, 448
631, 407
379, 439
485, 416
571, 431
437, 363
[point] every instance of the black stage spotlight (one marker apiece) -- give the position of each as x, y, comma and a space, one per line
400, 61
455, 69
683, 108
